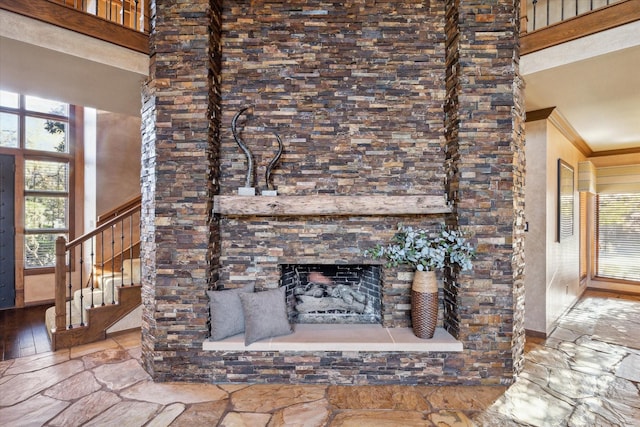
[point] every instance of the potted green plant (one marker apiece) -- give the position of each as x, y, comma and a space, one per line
425, 253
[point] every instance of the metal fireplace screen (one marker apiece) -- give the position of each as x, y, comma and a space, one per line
318, 293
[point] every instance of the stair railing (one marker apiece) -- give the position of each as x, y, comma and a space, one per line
121, 234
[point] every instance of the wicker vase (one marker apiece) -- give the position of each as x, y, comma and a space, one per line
424, 303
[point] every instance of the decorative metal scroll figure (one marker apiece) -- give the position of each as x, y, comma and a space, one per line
243, 147
272, 164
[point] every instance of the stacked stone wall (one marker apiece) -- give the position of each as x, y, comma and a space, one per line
486, 148
178, 159
387, 99
355, 92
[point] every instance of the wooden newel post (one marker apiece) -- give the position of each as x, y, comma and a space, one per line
60, 290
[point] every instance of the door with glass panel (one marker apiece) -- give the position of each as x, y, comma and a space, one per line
7, 235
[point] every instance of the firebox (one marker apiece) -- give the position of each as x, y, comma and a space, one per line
322, 293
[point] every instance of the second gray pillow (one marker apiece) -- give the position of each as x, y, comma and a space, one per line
265, 315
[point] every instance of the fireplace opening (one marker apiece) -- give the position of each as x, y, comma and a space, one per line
323, 293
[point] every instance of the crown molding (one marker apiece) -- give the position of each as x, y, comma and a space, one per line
621, 151
557, 119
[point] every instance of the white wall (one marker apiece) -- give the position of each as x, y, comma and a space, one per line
119, 151
535, 247
552, 274
90, 167
563, 258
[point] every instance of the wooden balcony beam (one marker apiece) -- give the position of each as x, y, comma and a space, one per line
589, 23
79, 22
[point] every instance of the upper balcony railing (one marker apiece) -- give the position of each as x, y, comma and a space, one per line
546, 23
543, 13
132, 14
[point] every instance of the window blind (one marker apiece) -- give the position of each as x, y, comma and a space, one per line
618, 179
618, 236
583, 235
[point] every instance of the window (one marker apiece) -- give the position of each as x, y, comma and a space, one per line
8, 120
46, 210
618, 236
37, 132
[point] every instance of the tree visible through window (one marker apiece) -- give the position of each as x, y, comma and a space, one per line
618, 236
46, 210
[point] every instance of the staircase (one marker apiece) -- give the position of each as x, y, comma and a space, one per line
110, 299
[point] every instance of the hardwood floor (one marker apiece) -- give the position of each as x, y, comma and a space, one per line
23, 332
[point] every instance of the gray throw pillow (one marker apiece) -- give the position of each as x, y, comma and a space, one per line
265, 315
227, 318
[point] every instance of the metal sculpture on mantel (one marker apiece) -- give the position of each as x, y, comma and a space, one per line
248, 188
271, 191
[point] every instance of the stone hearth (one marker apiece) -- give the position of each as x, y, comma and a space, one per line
343, 338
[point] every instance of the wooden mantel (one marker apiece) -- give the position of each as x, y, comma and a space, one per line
329, 205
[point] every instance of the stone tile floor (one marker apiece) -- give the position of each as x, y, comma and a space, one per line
587, 373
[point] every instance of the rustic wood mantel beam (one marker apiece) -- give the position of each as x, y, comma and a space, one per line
329, 205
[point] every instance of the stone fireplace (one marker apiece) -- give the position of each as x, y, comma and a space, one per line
390, 112
274, 241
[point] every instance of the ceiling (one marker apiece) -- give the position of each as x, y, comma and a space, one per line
594, 83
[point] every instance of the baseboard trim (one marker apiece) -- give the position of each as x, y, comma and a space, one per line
37, 303
123, 332
535, 334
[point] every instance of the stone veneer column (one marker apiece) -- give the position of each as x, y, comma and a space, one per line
179, 176
485, 162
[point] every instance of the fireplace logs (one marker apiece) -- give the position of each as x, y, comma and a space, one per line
319, 297
329, 293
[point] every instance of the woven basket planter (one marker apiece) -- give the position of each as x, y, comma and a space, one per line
424, 304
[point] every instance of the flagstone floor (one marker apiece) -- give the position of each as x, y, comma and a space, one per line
587, 373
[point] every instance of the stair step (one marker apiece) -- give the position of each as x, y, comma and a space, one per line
129, 275
98, 319
109, 285
86, 300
